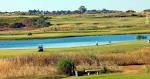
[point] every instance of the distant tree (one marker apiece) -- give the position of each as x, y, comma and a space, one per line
76, 12
105, 11
146, 10
130, 11
82, 9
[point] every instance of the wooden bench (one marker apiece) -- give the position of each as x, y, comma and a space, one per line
93, 71
88, 72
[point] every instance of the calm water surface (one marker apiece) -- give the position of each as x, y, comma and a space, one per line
68, 42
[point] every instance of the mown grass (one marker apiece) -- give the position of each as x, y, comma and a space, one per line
68, 34
124, 47
114, 76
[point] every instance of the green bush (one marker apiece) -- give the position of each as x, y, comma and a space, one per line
41, 21
29, 34
17, 25
66, 66
105, 69
141, 37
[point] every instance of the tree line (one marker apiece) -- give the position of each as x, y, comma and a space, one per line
81, 10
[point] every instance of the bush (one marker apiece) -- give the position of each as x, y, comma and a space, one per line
29, 34
17, 25
27, 22
141, 37
41, 21
66, 66
105, 69
4, 25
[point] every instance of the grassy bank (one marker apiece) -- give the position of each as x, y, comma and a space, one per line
23, 64
69, 34
105, 49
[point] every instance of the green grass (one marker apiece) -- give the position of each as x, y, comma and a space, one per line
89, 19
69, 34
77, 25
114, 76
125, 47
104, 76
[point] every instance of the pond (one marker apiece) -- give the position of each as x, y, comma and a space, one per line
68, 42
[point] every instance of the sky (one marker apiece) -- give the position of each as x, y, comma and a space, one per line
50, 5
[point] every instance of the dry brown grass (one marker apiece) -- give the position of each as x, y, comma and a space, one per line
138, 57
11, 70
46, 64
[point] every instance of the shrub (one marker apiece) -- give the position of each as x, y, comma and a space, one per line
17, 25
41, 21
66, 66
27, 22
29, 34
3, 25
141, 37
105, 69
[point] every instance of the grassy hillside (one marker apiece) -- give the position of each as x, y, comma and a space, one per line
106, 49
78, 25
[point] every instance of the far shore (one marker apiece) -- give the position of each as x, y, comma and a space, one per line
54, 35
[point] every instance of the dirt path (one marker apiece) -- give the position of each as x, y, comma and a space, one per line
133, 69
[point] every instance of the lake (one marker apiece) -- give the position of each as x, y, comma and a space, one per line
68, 42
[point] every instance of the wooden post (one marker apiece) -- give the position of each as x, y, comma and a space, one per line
97, 73
88, 73
76, 73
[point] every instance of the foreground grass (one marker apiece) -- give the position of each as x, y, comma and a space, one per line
124, 47
44, 66
106, 76
114, 76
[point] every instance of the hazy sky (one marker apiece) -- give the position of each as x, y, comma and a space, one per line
25, 5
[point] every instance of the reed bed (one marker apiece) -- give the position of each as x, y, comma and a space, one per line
9, 70
140, 57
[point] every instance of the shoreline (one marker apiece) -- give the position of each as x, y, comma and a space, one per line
66, 35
